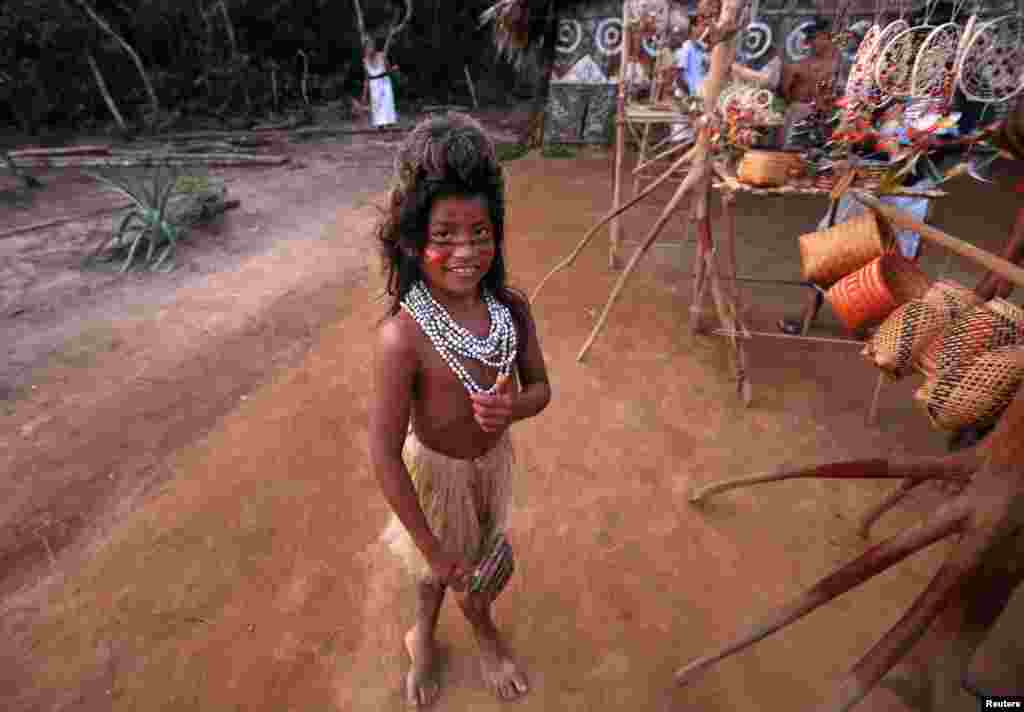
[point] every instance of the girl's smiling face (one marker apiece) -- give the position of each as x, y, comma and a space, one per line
460, 246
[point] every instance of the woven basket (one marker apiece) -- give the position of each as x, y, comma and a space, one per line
907, 332
829, 255
871, 293
988, 326
768, 168
978, 393
952, 295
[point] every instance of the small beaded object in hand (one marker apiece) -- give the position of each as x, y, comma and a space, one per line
497, 349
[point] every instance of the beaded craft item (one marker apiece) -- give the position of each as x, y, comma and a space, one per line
873, 96
495, 568
863, 64
934, 74
992, 67
895, 66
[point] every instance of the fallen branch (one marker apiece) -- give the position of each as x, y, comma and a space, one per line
154, 159
62, 221
84, 150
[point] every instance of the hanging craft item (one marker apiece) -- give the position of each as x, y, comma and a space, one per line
975, 394
895, 66
903, 337
757, 39
873, 292
863, 64
965, 37
992, 67
934, 74
872, 95
829, 255
987, 326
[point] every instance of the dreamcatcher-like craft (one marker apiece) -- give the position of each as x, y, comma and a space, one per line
934, 69
872, 95
863, 63
895, 66
992, 67
965, 37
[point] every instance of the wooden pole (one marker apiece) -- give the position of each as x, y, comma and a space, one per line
620, 138
104, 92
998, 265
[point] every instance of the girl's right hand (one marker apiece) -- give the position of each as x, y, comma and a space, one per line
451, 571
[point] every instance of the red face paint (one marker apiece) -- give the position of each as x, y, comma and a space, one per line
435, 255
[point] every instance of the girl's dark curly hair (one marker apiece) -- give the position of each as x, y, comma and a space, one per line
444, 156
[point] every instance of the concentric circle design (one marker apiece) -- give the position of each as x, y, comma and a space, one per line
608, 36
757, 39
570, 34
796, 43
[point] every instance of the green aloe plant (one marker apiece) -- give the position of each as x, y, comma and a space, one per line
146, 221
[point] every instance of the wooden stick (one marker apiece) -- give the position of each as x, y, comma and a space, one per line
620, 141
62, 221
873, 410
675, 148
154, 159
890, 501
472, 87
943, 590
995, 264
957, 467
81, 150
692, 179
949, 520
616, 211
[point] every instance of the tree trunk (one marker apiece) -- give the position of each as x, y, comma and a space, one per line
153, 102
107, 98
534, 135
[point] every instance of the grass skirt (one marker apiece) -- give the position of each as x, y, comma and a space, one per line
465, 502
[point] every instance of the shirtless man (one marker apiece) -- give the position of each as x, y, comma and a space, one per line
806, 82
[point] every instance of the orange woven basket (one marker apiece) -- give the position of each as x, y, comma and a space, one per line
829, 255
874, 291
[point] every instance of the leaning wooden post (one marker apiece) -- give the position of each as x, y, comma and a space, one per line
620, 137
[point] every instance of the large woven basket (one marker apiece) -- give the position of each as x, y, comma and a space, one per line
988, 326
874, 291
952, 295
902, 337
829, 255
768, 168
978, 393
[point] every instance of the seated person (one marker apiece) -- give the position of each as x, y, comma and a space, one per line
807, 83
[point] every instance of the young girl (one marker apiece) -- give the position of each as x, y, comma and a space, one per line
446, 355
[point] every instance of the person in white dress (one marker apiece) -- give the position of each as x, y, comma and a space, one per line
378, 89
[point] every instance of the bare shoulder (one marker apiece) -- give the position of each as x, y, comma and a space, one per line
398, 338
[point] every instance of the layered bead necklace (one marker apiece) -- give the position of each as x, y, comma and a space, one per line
497, 349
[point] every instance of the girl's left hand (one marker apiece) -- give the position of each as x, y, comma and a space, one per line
493, 411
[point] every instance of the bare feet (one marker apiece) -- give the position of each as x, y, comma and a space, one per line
421, 687
501, 674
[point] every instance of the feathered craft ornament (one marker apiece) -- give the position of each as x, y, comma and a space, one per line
511, 20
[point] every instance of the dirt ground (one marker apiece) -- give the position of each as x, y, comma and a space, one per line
188, 519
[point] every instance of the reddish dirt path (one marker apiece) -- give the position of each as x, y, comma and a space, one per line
232, 559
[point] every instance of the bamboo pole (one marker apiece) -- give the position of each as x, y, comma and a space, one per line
154, 159
1001, 267
620, 137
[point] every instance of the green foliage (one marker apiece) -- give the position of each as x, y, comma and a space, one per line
558, 150
508, 151
143, 225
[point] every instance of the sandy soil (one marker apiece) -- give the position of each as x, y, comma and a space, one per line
188, 518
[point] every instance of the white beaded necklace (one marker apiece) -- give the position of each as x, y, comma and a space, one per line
497, 349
